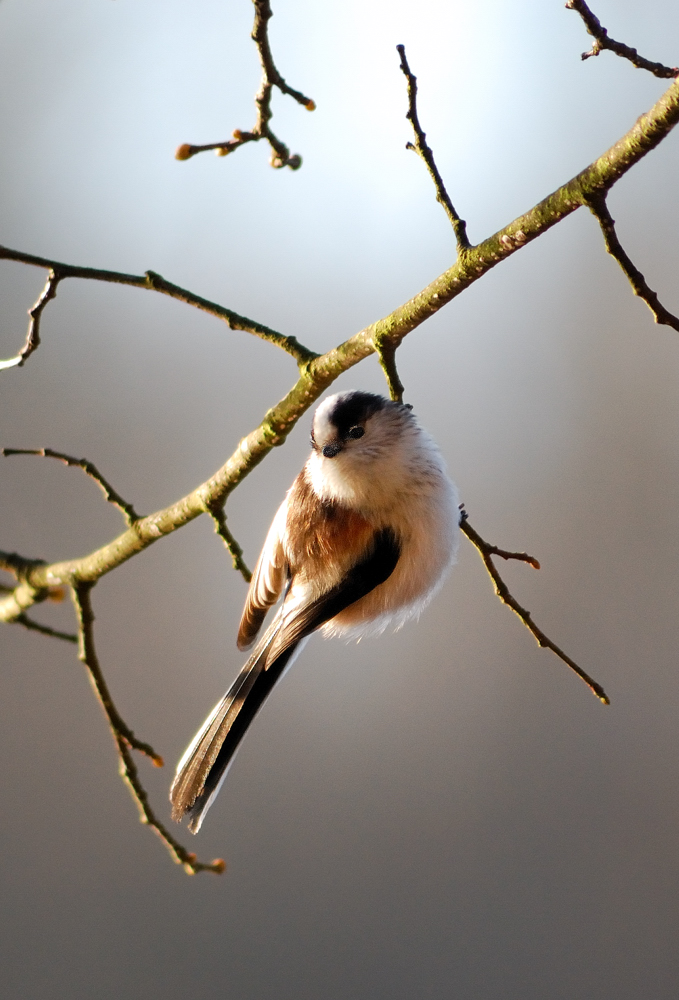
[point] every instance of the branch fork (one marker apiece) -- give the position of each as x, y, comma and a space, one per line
603, 41
487, 551
280, 154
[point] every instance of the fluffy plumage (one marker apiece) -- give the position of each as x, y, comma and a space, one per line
362, 541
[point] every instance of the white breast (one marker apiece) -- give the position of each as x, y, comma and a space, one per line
405, 488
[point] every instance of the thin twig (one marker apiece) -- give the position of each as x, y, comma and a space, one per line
386, 354
218, 515
156, 283
600, 210
602, 41
89, 469
486, 552
280, 154
35, 313
126, 740
260, 35
44, 629
87, 654
422, 149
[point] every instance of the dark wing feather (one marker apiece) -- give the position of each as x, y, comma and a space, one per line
374, 568
204, 765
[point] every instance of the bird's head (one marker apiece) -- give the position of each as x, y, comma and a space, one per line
357, 437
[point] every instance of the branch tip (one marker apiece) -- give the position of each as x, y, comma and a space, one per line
34, 316
124, 738
603, 41
487, 551
424, 152
280, 154
90, 470
599, 208
185, 151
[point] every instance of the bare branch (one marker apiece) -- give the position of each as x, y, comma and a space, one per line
386, 353
126, 740
486, 552
647, 132
260, 35
320, 372
90, 469
602, 41
87, 654
155, 282
636, 279
35, 313
422, 149
44, 629
280, 154
218, 515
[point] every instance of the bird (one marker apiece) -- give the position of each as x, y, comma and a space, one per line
363, 540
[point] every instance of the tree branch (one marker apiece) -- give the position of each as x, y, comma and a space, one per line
422, 149
321, 371
91, 470
486, 552
87, 654
640, 287
218, 515
32, 626
35, 313
24, 595
602, 41
386, 354
125, 739
156, 283
280, 154
648, 131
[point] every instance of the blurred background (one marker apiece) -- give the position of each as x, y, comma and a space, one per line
444, 812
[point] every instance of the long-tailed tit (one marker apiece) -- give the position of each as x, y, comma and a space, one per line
362, 541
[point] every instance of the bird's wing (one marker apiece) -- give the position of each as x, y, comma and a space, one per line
268, 581
203, 767
376, 566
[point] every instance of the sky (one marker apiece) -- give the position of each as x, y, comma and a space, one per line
442, 812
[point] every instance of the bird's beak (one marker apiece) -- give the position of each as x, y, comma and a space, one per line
331, 449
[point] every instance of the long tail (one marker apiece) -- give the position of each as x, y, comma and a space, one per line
203, 767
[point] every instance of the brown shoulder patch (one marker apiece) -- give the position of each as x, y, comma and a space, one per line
321, 530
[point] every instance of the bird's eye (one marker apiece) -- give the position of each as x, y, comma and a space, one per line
355, 432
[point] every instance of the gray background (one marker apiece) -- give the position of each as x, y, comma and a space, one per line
445, 812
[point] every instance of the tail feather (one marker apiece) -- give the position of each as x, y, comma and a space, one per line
205, 763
